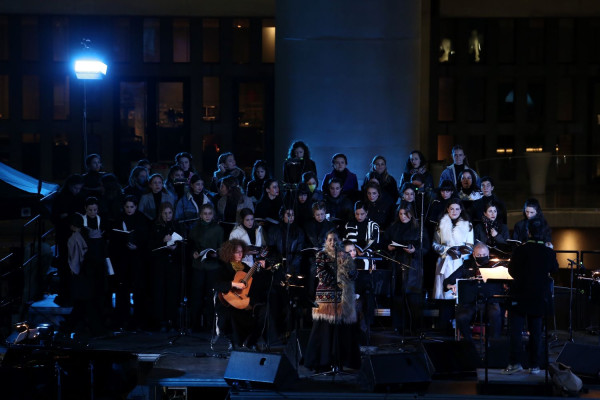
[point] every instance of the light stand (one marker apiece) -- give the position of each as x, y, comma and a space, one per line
87, 67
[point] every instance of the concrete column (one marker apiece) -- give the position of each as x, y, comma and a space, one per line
347, 79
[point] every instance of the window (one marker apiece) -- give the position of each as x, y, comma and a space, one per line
31, 97
3, 37
210, 40
506, 101
181, 40
241, 41
60, 38
121, 47
535, 41
506, 44
268, 41
151, 40
29, 39
446, 99
4, 97
564, 96
60, 96
170, 105
210, 97
475, 99
566, 40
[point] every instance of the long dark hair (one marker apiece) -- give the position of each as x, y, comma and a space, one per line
295, 145
408, 166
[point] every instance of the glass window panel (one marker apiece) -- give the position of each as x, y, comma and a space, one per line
210, 97
181, 40
121, 37
506, 101
60, 38
594, 32
170, 105
61, 156
3, 37
564, 107
4, 96
445, 143
30, 146
475, 46
210, 40
566, 40
475, 99
60, 96
251, 104
535, 41
446, 99
151, 40
241, 41
535, 101
506, 42
31, 97
133, 136
268, 41
29, 39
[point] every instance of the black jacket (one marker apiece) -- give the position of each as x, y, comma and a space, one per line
530, 265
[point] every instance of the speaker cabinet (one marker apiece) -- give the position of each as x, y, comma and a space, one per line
395, 370
582, 358
260, 370
452, 357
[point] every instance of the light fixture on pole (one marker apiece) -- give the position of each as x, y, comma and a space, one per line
87, 67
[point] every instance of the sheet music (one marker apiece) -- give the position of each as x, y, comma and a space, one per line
500, 273
175, 237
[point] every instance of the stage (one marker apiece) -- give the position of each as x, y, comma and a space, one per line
193, 366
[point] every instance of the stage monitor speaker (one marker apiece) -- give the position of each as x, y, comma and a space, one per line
452, 357
260, 370
394, 370
582, 358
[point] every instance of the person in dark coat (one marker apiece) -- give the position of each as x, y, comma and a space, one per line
128, 243
531, 209
347, 179
167, 268
491, 231
530, 266
487, 189
407, 282
206, 237
297, 163
465, 312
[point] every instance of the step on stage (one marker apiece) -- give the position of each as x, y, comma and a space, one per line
151, 366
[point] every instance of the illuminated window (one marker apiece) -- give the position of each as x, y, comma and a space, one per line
268, 41
29, 39
31, 97
170, 105
210, 40
4, 103
210, 97
60, 38
181, 40
241, 41
151, 40
60, 95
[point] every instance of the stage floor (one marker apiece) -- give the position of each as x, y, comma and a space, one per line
190, 367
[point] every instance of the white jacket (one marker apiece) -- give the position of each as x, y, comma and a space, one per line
447, 236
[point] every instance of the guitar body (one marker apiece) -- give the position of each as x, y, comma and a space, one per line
238, 298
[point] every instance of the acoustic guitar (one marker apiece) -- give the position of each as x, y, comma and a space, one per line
238, 298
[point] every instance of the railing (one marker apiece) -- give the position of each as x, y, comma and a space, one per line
558, 181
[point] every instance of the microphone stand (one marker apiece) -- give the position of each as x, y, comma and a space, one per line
370, 296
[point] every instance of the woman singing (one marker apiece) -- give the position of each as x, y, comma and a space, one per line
333, 340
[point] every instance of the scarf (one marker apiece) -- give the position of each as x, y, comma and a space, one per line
237, 266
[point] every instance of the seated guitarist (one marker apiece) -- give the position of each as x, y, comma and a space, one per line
247, 323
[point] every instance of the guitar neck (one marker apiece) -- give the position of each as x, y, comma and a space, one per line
251, 272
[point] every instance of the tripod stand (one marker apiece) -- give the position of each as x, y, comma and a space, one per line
183, 329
